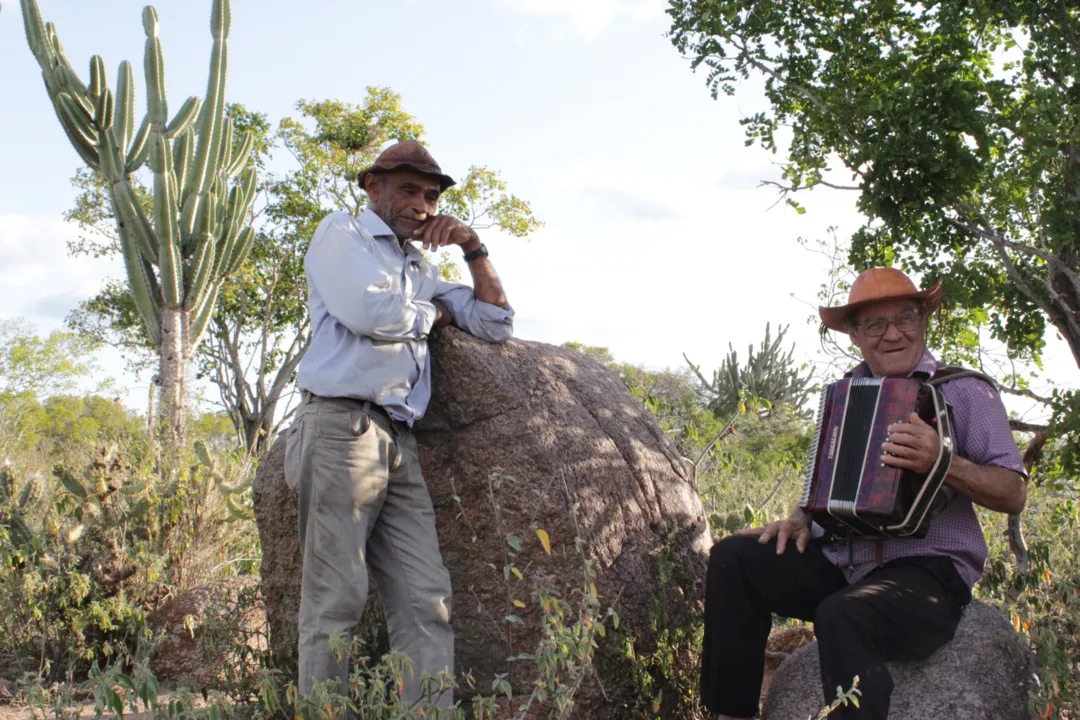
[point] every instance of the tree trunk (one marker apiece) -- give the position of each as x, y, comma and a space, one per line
172, 378
259, 431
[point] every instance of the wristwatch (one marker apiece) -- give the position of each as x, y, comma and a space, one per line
477, 253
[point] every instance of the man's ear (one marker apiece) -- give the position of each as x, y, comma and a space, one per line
372, 185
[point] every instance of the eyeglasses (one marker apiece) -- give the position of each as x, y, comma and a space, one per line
905, 322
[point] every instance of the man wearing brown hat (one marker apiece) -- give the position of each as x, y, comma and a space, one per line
871, 601
365, 381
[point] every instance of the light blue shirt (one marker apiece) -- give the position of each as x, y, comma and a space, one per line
371, 314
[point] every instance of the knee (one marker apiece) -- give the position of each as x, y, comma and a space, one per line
836, 615
731, 553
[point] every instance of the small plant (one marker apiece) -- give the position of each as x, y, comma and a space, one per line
84, 558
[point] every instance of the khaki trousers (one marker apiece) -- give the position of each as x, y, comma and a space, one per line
364, 507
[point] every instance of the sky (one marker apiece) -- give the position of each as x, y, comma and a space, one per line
658, 238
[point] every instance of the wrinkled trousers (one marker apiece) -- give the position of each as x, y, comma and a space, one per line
364, 507
904, 610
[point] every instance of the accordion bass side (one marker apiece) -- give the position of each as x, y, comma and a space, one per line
848, 490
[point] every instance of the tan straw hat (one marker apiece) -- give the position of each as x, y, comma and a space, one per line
407, 155
877, 285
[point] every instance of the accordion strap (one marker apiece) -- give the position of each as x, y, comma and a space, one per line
948, 373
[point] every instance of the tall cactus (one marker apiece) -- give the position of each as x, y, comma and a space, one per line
199, 233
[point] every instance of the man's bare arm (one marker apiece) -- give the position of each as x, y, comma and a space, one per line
486, 285
914, 446
995, 488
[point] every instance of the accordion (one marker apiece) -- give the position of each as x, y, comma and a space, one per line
848, 490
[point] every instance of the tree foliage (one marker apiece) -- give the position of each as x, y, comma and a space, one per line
956, 123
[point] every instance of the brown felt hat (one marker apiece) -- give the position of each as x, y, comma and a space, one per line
878, 285
407, 155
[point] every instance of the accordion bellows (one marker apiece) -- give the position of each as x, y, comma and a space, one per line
848, 489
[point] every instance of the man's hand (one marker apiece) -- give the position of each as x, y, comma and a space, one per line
797, 526
442, 230
443, 316
912, 445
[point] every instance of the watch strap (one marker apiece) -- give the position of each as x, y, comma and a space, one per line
477, 253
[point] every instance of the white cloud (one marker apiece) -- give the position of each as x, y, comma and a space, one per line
589, 17
38, 279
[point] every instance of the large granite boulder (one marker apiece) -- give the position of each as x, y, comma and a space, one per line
985, 673
516, 437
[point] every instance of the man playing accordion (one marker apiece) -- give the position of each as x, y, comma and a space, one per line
872, 599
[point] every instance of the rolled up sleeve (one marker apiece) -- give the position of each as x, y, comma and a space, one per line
357, 292
478, 318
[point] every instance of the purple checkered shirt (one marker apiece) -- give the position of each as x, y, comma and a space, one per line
981, 434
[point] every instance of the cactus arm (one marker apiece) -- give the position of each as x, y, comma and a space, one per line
135, 218
202, 313
211, 118
36, 35
241, 157
205, 214
154, 67
140, 148
240, 251
226, 148
65, 80
183, 152
172, 281
200, 270
140, 281
187, 215
98, 83
103, 113
76, 115
87, 150
241, 199
111, 162
124, 123
184, 117
231, 229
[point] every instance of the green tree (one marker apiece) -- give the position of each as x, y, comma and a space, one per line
35, 365
955, 122
260, 330
32, 367
196, 233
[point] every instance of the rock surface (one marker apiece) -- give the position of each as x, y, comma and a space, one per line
221, 613
515, 437
983, 674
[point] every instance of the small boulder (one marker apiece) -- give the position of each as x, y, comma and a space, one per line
985, 673
202, 627
782, 643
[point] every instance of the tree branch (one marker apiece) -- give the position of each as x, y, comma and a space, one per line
790, 188
1058, 318
723, 433
1021, 426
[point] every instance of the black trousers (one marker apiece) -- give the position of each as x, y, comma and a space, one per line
902, 611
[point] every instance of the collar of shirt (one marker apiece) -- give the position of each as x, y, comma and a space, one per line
927, 364
381, 231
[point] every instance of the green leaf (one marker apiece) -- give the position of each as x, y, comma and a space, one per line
514, 542
70, 484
